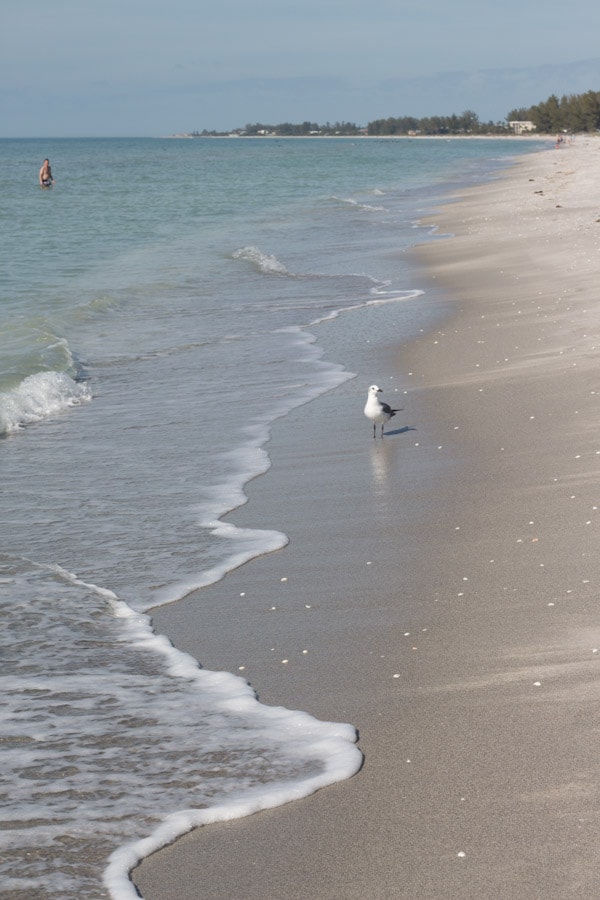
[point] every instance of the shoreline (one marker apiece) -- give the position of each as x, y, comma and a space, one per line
453, 616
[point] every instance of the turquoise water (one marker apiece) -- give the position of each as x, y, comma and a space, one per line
159, 310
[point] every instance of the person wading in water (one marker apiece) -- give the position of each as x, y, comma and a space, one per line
46, 179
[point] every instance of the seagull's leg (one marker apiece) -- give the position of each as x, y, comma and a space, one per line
374, 429
382, 426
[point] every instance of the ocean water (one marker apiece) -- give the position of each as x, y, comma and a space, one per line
159, 311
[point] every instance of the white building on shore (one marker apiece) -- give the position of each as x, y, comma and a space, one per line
522, 127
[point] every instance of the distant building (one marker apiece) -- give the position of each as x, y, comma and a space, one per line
521, 127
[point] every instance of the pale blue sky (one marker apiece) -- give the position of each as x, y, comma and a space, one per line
151, 67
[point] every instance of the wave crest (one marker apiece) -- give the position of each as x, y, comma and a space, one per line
38, 397
263, 262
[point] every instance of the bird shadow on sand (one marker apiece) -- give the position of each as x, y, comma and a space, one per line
402, 430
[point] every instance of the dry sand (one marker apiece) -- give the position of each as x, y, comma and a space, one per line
453, 582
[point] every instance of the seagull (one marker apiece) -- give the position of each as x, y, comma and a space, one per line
377, 411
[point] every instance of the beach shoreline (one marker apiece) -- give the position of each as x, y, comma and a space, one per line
449, 614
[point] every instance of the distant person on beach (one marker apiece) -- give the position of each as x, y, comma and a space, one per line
46, 179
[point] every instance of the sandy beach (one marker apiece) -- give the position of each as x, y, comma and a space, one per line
440, 589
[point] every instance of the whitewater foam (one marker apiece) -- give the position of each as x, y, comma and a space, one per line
38, 397
263, 262
116, 728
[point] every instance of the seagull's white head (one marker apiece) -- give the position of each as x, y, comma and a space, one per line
374, 389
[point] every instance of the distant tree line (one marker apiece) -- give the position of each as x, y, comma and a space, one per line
289, 129
305, 128
467, 123
574, 113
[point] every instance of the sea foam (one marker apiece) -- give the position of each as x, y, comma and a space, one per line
39, 396
263, 262
118, 742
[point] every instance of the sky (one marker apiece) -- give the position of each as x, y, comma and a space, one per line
156, 67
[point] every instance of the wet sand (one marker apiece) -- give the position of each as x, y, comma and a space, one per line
444, 583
